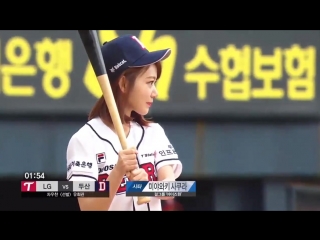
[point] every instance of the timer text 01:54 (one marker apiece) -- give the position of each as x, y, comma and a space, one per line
34, 175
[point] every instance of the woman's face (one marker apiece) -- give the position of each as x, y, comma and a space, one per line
143, 92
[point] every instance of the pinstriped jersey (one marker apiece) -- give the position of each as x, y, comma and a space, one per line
92, 154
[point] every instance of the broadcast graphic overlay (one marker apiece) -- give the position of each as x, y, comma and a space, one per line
161, 189
63, 189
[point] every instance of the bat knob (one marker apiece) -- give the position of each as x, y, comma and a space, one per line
143, 200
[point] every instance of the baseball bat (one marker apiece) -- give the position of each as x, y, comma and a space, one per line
92, 46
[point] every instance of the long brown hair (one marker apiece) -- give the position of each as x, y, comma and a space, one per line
100, 108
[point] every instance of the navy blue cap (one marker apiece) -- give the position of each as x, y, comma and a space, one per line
127, 52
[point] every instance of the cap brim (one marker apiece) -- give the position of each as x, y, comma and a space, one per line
151, 58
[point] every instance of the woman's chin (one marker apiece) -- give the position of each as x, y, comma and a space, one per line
143, 112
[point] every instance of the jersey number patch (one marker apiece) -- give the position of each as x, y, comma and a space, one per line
148, 167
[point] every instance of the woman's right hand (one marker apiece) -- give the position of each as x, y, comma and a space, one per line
127, 160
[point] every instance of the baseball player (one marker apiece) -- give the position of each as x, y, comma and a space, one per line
94, 152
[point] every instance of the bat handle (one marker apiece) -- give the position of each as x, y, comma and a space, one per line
143, 200
123, 141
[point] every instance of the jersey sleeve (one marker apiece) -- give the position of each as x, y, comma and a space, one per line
81, 161
165, 152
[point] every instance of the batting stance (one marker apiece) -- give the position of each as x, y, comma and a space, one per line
94, 152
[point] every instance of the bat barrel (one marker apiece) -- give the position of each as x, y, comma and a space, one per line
91, 43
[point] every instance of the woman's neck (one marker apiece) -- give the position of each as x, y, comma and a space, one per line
126, 126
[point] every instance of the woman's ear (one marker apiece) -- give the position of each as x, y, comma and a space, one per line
123, 84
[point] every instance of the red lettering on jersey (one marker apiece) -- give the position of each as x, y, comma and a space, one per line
149, 168
122, 187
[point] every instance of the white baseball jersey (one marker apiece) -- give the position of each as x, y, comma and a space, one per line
93, 152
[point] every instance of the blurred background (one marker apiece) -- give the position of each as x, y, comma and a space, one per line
240, 107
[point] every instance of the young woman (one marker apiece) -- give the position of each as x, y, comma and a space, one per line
94, 152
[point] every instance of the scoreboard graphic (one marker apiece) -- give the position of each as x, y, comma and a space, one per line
64, 189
